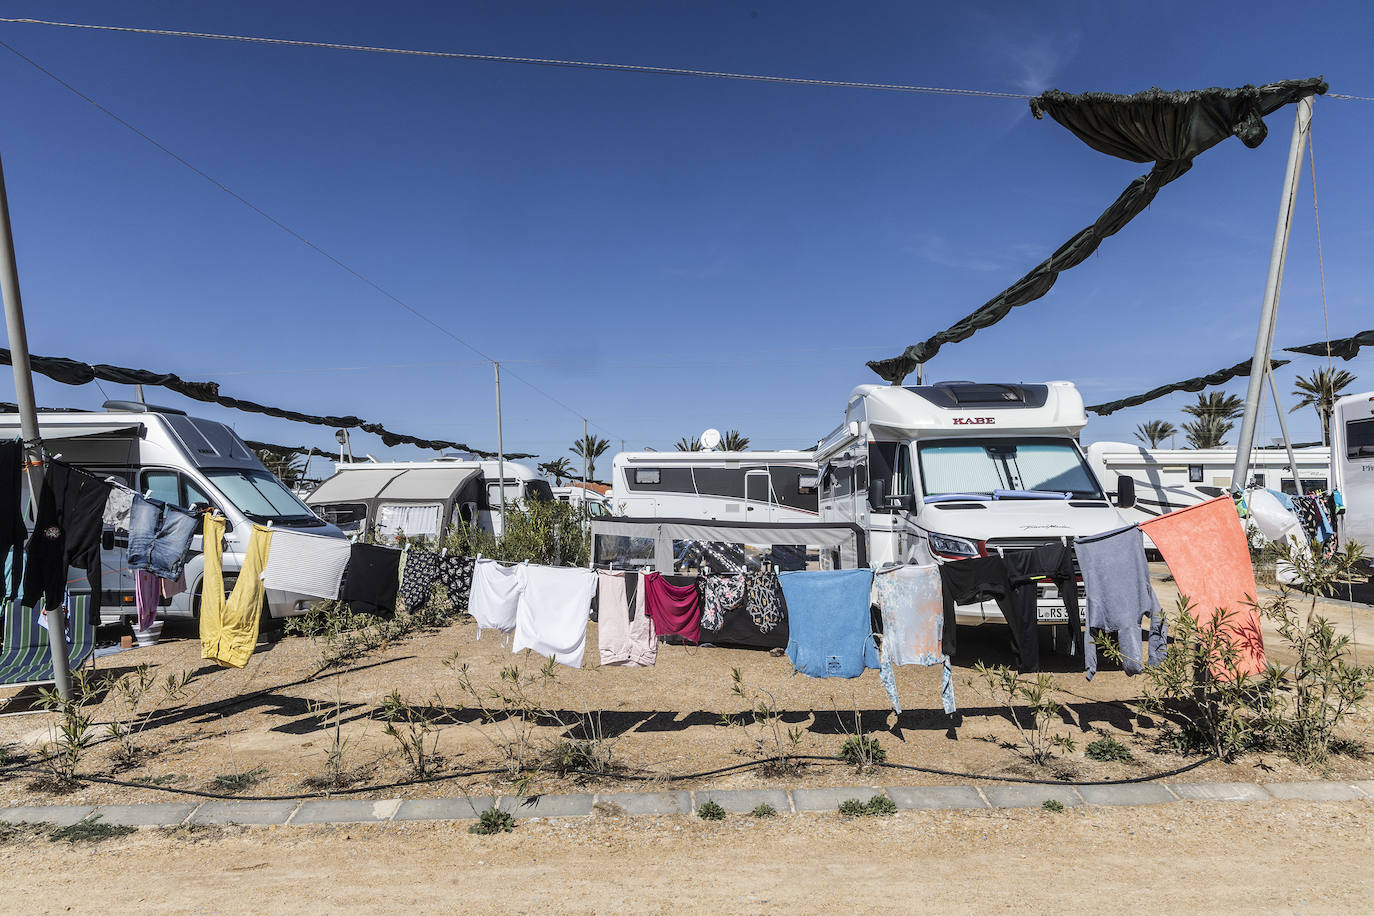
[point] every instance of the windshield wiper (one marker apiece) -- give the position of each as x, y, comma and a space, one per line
957, 497
1030, 494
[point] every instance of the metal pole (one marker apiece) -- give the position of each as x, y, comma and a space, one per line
1283, 428
28, 424
139, 390
500, 450
1264, 340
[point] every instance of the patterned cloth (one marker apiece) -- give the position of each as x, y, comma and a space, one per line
718, 595
417, 579
763, 600
455, 572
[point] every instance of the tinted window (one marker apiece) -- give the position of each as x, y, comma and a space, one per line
1359, 439
539, 491
163, 485
788, 489
720, 482
670, 480
647, 475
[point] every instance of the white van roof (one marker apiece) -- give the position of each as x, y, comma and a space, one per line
971, 408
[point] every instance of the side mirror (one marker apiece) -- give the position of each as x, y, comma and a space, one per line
1125, 491
903, 502
877, 491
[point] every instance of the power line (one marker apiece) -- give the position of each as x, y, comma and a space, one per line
278, 223
532, 61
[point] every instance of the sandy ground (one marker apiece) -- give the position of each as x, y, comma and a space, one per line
1182, 858
269, 718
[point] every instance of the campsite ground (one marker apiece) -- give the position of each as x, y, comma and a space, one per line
268, 720
271, 720
1181, 858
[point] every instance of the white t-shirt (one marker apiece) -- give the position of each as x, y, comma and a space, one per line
555, 602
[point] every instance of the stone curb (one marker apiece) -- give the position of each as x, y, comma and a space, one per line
311, 812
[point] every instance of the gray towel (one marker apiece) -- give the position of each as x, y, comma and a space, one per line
1117, 581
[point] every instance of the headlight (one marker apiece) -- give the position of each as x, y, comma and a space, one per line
946, 546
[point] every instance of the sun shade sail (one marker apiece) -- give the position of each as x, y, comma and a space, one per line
1192, 384
71, 372
1346, 348
1166, 128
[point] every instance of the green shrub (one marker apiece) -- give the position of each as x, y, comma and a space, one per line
862, 751
1027, 698
493, 820
711, 812
877, 806
764, 810
1106, 748
1053, 805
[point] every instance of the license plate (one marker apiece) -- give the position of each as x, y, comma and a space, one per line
1051, 613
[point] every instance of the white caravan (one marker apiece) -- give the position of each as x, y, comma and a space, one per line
1352, 466
424, 498
185, 461
1170, 479
779, 486
577, 495
961, 469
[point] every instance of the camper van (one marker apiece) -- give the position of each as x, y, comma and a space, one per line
957, 470
755, 487
182, 460
1352, 467
1170, 479
424, 498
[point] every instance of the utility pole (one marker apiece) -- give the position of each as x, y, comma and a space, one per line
28, 423
1264, 341
500, 450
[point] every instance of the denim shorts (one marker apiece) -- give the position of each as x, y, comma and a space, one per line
160, 536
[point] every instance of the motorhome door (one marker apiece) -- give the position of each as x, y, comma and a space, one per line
758, 496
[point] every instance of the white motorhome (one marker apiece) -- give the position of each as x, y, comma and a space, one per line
585, 497
1170, 479
777, 486
424, 498
1352, 466
182, 460
961, 469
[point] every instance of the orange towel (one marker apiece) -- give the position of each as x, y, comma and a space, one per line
1207, 553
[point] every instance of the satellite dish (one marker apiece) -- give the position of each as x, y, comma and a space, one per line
710, 439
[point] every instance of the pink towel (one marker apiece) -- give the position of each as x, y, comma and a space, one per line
674, 609
1209, 558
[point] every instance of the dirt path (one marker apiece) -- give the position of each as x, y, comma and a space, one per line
1182, 858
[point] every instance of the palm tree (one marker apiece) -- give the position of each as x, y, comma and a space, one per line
688, 445
1207, 432
1216, 404
590, 448
735, 441
286, 464
1155, 431
1321, 390
558, 468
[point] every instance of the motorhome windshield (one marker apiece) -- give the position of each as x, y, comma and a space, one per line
985, 465
261, 497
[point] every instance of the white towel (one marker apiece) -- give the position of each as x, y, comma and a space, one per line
555, 602
308, 564
494, 596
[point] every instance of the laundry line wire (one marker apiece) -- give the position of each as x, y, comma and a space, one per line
284, 227
530, 61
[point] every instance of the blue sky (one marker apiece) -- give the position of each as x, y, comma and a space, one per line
659, 253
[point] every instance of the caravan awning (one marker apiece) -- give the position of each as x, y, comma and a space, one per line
60, 430
430, 484
351, 486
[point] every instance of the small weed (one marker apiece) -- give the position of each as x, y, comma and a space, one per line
773, 743
1027, 698
165, 779
1054, 806
415, 730
764, 810
71, 733
1106, 749
877, 806
237, 782
90, 830
711, 811
608, 809
862, 751
493, 820
576, 756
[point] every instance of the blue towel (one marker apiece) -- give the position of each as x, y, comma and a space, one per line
830, 633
